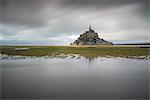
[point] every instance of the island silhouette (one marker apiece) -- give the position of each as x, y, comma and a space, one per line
90, 37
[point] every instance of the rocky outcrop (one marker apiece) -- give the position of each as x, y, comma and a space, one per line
90, 38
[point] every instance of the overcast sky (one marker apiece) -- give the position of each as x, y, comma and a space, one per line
60, 22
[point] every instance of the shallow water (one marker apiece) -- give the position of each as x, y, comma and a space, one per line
70, 78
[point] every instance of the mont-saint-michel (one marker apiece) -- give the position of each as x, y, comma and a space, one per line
49, 50
90, 37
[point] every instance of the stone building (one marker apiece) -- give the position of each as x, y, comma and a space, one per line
90, 38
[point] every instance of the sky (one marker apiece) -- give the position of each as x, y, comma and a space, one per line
60, 22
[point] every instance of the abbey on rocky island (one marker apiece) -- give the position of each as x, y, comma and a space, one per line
90, 38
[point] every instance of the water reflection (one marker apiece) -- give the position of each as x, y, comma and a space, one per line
71, 78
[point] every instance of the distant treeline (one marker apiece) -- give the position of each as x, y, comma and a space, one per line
133, 44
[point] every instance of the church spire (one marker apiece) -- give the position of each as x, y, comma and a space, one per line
90, 27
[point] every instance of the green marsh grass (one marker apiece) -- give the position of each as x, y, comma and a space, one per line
86, 51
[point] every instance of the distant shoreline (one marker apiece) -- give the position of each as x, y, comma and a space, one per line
115, 45
133, 44
102, 45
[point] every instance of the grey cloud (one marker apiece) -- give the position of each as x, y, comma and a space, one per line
102, 4
26, 12
36, 13
31, 20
